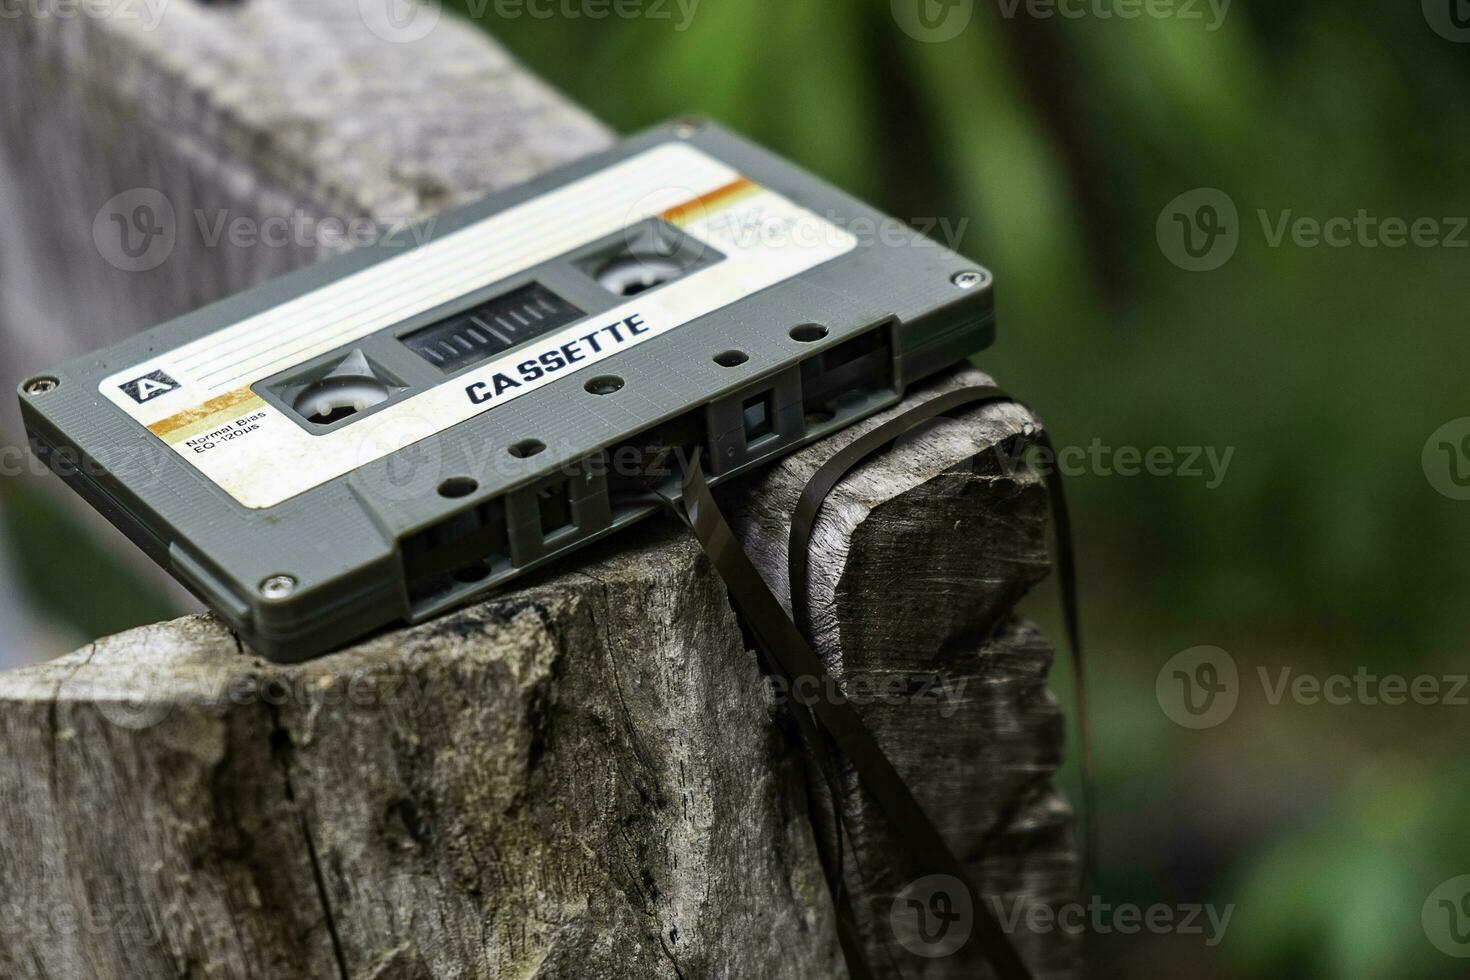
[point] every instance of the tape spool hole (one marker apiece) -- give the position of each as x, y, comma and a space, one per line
334, 399
457, 486
604, 385
731, 358
808, 333
527, 448
629, 275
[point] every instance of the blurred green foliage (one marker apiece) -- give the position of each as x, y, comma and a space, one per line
74, 581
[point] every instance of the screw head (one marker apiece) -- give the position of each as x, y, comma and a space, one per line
39, 386
278, 586
970, 279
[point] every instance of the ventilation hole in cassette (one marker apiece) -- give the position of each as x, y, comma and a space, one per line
604, 384
555, 506
839, 380
653, 459
527, 448
731, 358
759, 416
464, 548
808, 333
457, 486
470, 574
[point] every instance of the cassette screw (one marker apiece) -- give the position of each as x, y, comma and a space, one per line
39, 386
969, 280
278, 586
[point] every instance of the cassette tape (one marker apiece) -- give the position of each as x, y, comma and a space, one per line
385, 435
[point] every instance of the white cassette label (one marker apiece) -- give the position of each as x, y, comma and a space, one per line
199, 397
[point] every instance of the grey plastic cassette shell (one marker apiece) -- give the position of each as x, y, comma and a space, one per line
341, 543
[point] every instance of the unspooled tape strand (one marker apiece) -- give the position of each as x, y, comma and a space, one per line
865, 446
778, 637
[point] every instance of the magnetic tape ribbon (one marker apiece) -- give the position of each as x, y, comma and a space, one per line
828, 726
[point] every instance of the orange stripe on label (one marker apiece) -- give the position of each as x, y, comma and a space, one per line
199, 413
719, 197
